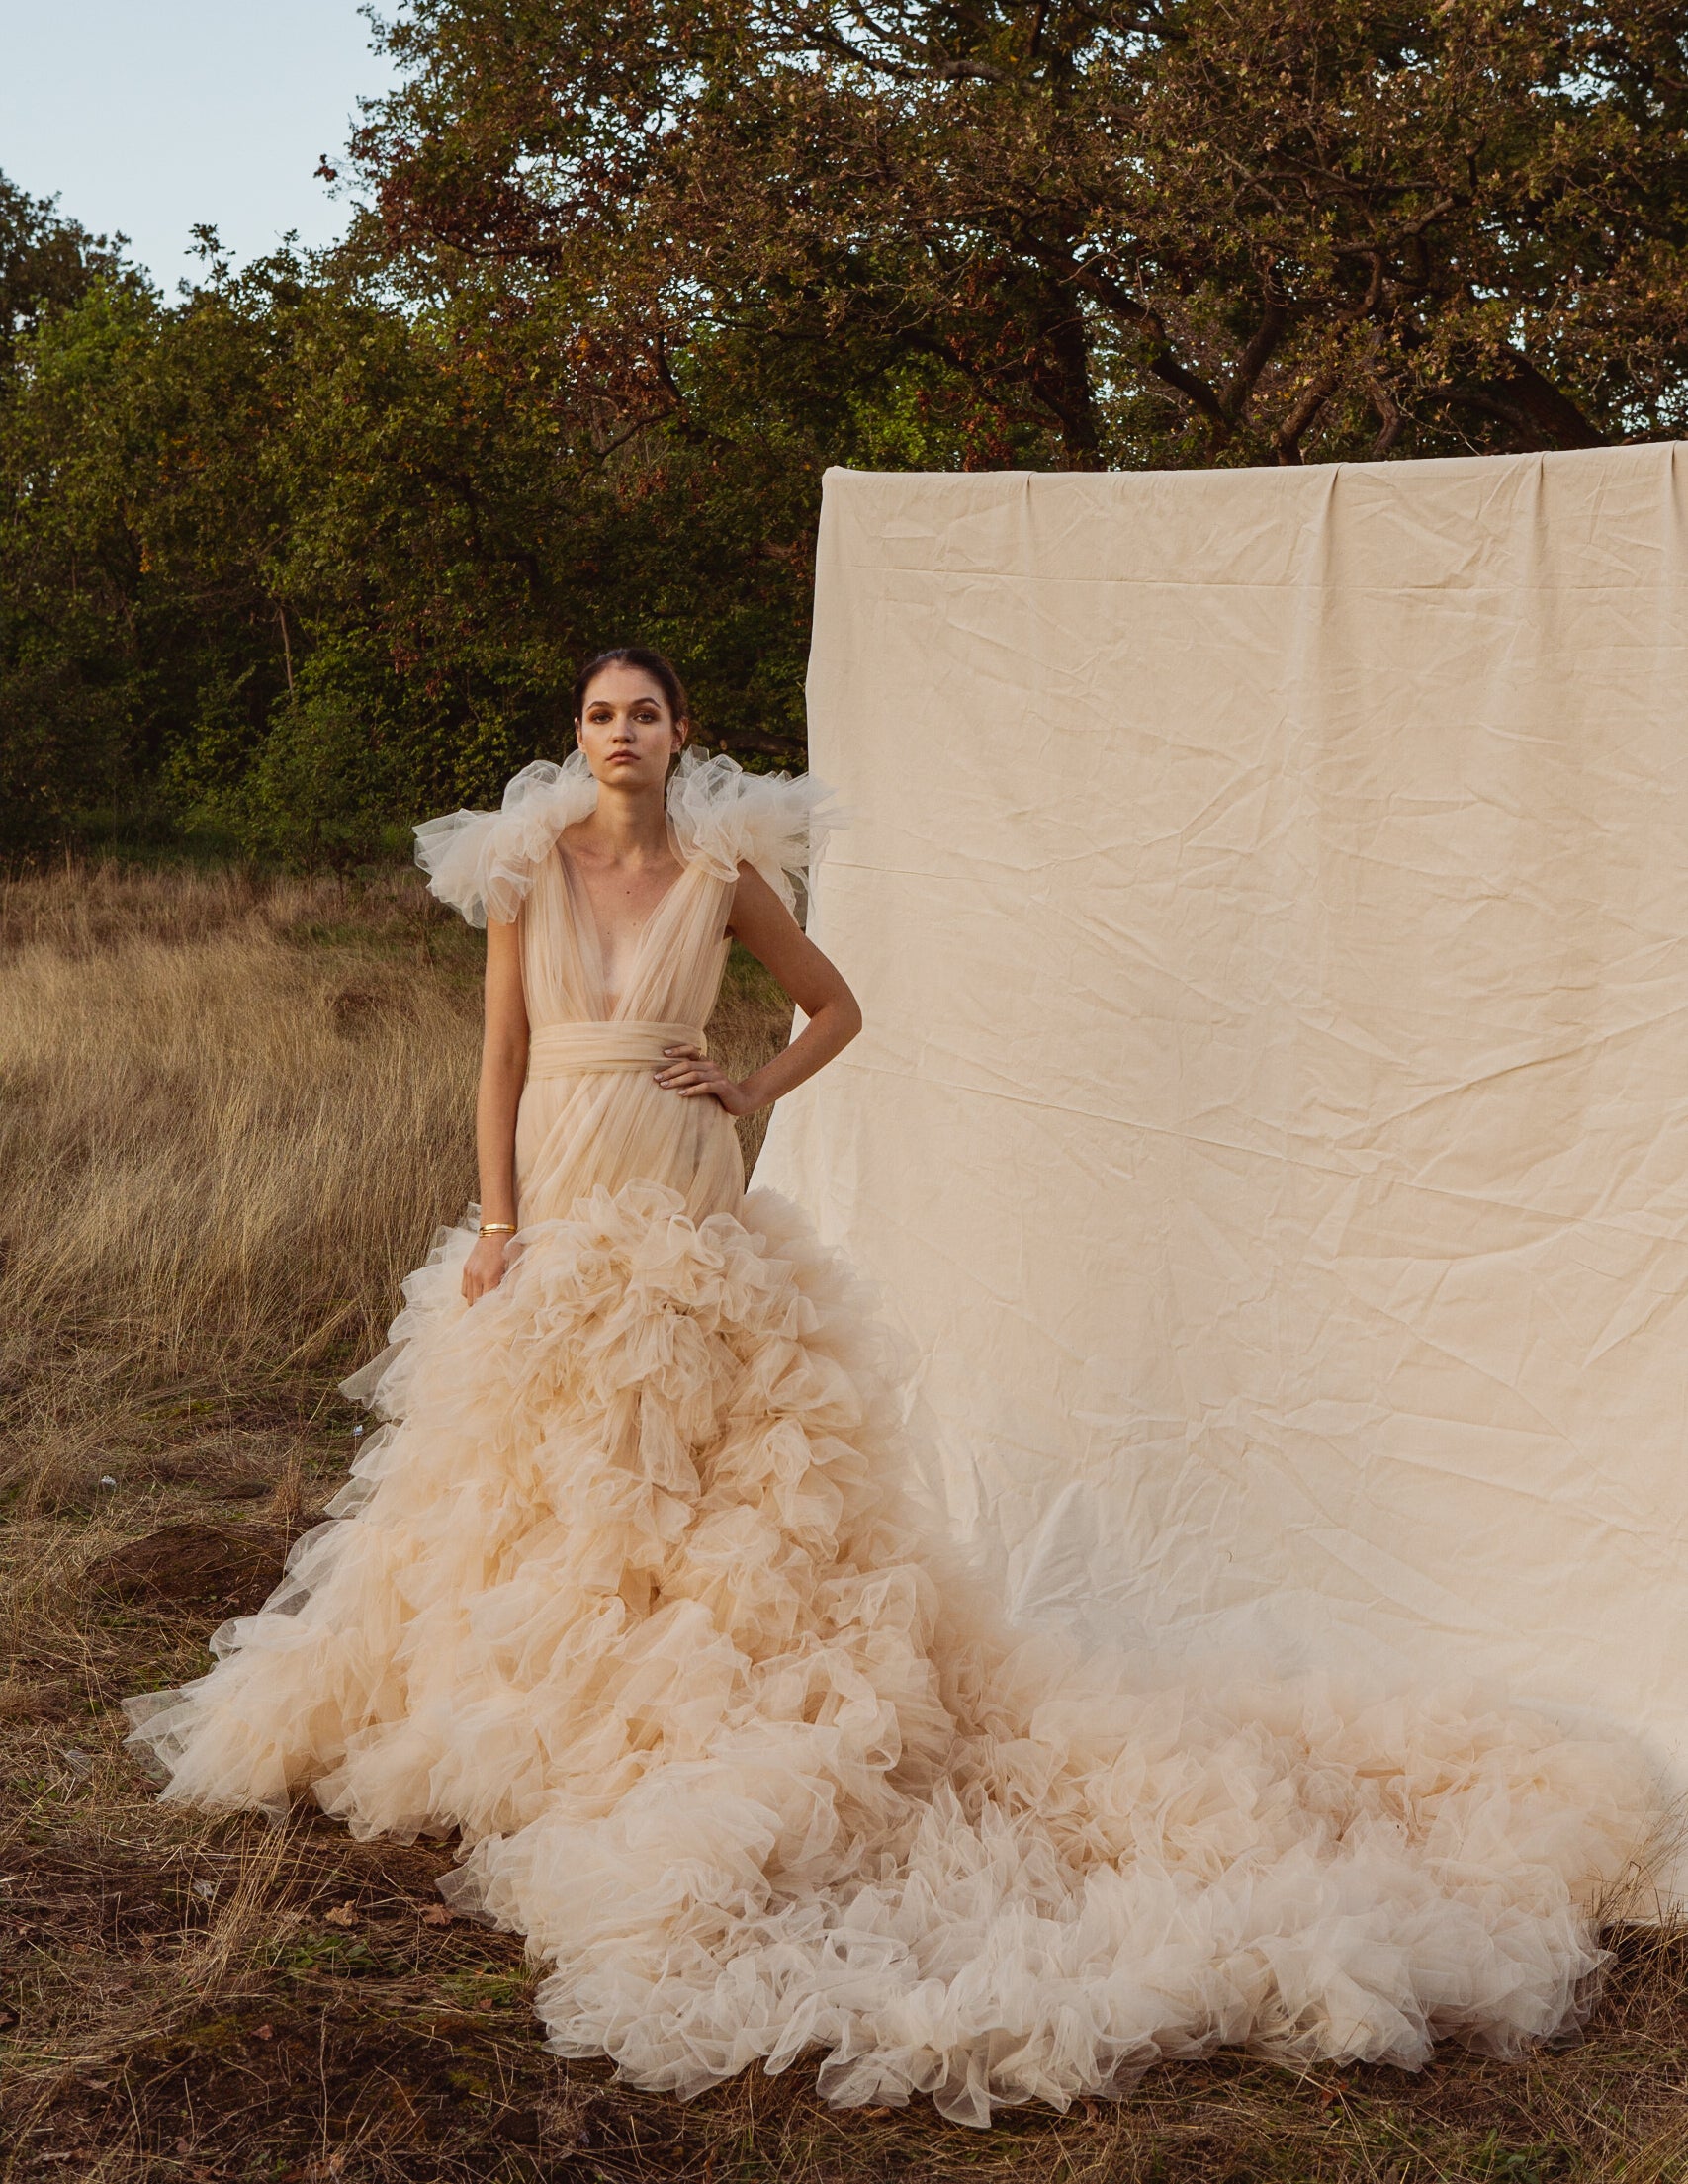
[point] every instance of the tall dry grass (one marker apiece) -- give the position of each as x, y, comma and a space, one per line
231, 1117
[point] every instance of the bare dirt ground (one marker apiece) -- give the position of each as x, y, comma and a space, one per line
230, 1118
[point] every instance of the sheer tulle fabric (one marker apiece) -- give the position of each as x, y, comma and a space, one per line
483, 863
626, 1592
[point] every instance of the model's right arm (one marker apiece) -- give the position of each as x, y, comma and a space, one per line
503, 1068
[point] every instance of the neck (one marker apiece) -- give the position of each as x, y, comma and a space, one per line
631, 822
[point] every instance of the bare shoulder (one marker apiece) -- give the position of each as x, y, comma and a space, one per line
759, 920
757, 912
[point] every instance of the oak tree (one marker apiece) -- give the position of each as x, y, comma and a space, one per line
1117, 231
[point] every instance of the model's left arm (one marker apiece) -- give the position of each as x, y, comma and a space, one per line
760, 921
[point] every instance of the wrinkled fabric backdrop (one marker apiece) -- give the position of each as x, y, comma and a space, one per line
1268, 891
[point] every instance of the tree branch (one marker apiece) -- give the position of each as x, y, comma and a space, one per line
1551, 412
1161, 360
1263, 342
1286, 440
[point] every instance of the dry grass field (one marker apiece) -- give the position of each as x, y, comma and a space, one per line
231, 1114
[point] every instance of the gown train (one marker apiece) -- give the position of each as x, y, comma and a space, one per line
626, 1592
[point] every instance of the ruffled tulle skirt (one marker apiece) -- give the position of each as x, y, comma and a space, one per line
626, 1595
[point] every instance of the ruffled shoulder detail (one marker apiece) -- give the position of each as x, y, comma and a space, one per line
483, 863
724, 817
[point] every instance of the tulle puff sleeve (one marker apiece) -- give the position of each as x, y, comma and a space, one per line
725, 817
482, 862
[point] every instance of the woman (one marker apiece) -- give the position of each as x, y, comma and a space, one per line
629, 1598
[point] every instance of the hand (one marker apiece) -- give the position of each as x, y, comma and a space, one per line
690, 1073
483, 1269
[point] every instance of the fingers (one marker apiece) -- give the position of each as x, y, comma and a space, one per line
693, 1074
478, 1284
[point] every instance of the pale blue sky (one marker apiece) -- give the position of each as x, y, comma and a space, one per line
150, 114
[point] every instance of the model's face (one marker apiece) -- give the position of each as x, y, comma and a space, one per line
626, 730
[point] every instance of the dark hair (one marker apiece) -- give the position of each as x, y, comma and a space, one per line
647, 663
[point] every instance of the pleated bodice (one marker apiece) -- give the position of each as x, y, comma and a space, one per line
592, 1111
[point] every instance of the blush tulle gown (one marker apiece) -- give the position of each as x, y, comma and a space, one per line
626, 1595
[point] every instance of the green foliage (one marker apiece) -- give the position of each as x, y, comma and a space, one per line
316, 790
45, 263
316, 549
290, 561
71, 568
1129, 232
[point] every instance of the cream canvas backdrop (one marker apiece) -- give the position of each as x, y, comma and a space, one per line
1269, 894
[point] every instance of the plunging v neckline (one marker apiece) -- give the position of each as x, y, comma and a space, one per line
589, 932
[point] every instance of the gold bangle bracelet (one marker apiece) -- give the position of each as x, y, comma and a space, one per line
498, 1228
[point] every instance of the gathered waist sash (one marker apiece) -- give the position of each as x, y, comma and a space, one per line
583, 1049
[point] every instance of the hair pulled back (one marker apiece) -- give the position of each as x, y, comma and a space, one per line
647, 663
